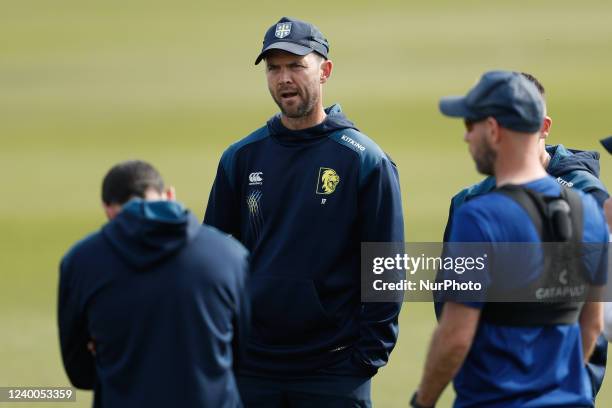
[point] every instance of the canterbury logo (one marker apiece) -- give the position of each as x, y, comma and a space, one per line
255, 178
328, 180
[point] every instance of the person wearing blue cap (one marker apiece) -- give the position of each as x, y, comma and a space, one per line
501, 354
302, 193
571, 168
606, 142
151, 308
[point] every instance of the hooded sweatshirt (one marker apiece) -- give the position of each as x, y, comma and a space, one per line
571, 168
162, 298
302, 202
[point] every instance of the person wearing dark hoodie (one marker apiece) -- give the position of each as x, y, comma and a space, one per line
302, 193
607, 144
571, 168
152, 309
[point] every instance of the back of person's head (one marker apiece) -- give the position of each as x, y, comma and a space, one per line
535, 81
130, 179
545, 130
508, 97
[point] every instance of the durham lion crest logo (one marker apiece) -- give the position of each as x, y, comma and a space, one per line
328, 180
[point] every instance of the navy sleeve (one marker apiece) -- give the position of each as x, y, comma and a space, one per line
242, 316
380, 205
380, 214
73, 333
223, 211
596, 238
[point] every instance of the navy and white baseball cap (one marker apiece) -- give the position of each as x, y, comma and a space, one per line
509, 97
295, 36
607, 143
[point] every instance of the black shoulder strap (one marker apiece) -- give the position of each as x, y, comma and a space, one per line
536, 206
576, 213
530, 201
536, 314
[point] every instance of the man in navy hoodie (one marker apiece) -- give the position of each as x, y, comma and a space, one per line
152, 306
571, 168
302, 193
607, 144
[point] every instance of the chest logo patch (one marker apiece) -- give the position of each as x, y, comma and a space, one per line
256, 178
328, 180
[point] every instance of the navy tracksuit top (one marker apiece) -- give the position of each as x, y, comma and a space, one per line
302, 202
163, 298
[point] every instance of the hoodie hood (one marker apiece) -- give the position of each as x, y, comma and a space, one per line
572, 168
335, 120
145, 232
563, 161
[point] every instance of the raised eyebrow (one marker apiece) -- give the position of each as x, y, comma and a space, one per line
292, 64
297, 64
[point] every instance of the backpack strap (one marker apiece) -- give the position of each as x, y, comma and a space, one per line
538, 208
576, 214
541, 210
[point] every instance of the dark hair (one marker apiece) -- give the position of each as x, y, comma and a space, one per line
130, 179
535, 81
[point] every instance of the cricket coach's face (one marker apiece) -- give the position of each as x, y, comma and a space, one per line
296, 82
295, 52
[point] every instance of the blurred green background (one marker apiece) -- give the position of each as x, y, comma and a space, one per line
84, 85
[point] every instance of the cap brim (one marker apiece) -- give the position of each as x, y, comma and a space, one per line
285, 46
455, 106
607, 143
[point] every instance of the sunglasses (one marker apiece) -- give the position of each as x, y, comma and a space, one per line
469, 123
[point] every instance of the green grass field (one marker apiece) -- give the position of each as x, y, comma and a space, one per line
86, 84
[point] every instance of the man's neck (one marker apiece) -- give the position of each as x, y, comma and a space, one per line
519, 175
518, 170
545, 158
519, 158
314, 118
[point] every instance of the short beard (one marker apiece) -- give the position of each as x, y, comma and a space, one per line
485, 162
302, 110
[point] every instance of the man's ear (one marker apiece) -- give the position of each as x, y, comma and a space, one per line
170, 193
493, 134
326, 70
111, 210
545, 129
